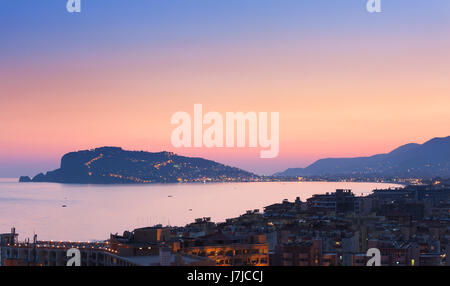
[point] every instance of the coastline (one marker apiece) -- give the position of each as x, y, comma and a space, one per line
225, 182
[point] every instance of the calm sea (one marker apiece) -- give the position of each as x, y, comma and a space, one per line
92, 212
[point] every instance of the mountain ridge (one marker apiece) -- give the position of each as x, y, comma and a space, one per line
113, 165
427, 160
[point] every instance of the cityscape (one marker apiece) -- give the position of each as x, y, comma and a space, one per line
410, 226
227, 141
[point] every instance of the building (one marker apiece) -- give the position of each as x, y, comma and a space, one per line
302, 253
340, 202
229, 250
142, 247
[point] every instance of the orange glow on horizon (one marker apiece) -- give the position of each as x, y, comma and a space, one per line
341, 102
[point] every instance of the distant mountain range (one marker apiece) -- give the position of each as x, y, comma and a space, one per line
428, 160
113, 165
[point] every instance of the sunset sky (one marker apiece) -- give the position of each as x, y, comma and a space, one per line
345, 82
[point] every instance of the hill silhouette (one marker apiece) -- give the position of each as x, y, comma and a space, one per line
428, 160
113, 165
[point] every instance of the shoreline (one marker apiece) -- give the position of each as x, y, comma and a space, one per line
213, 182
